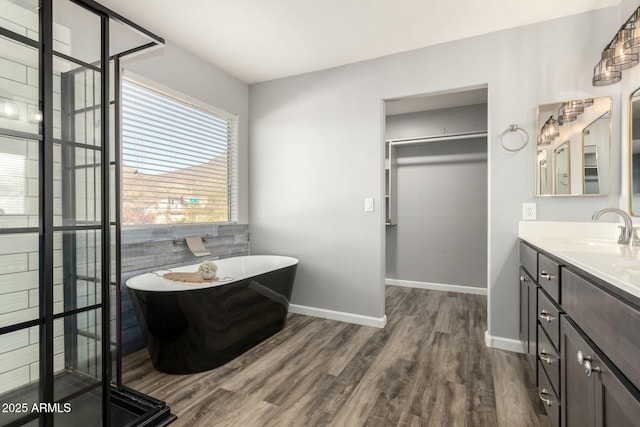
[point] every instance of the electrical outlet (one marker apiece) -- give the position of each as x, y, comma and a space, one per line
529, 211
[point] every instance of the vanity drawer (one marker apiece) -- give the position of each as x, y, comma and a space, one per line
548, 397
549, 318
529, 259
549, 359
609, 322
549, 276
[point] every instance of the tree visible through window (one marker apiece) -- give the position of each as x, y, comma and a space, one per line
178, 160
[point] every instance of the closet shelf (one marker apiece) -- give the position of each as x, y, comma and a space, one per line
434, 138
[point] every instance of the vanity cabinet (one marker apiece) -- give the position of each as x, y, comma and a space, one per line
528, 303
586, 343
594, 393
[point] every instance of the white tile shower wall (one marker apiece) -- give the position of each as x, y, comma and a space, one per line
151, 247
19, 256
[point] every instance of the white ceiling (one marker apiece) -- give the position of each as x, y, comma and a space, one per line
259, 40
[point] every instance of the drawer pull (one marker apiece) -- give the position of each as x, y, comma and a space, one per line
582, 358
546, 357
589, 369
545, 397
544, 315
546, 275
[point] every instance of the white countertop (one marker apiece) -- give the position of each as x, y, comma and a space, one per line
589, 246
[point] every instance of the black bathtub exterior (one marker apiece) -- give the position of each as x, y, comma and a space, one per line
198, 330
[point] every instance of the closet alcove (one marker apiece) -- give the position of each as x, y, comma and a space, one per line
436, 191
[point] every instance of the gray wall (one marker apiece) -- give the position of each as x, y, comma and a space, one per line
151, 247
441, 231
317, 152
182, 71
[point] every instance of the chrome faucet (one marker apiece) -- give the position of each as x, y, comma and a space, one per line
626, 234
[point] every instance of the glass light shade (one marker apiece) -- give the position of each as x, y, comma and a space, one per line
550, 129
602, 75
571, 108
541, 140
586, 102
621, 60
632, 44
567, 118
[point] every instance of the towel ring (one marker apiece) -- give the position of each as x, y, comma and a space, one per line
514, 128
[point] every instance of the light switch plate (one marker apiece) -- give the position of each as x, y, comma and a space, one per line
368, 204
529, 211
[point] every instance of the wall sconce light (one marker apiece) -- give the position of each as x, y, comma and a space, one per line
569, 111
602, 75
621, 53
586, 103
34, 114
562, 119
9, 110
550, 130
36, 117
622, 60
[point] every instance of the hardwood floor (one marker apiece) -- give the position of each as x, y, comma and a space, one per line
428, 367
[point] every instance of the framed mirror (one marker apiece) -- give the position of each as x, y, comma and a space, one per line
590, 177
595, 155
544, 169
562, 168
574, 148
634, 152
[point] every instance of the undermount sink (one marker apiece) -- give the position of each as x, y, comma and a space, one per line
595, 242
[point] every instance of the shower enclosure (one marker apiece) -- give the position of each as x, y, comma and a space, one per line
58, 222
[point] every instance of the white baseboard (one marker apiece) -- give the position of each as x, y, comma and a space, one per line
437, 286
358, 319
503, 343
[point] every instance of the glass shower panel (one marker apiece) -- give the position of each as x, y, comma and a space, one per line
80, 365
21, 17
80, 175
19, 87
90, 408
77, 66
114, 307
19, 370
19, 182
78, 281
76, 32
19, 278
79, 104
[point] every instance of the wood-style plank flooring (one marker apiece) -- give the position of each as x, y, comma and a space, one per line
428, 367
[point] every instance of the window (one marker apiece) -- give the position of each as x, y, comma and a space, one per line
178, 160
13, 184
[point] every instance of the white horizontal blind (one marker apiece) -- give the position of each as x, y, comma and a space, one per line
178, 160
13, 184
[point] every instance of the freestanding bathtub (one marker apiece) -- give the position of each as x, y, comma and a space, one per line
194, 327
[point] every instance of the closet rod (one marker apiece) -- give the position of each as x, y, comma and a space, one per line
449, 137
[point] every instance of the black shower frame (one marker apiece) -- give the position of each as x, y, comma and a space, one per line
46, 228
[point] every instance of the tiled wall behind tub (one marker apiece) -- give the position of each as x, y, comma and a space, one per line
152, 247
